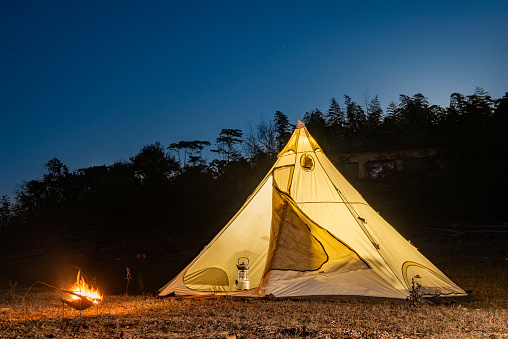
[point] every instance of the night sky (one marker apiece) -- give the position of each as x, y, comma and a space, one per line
91, 82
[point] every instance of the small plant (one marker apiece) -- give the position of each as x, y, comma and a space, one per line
415, 294
128, 277
13, 288
141, 283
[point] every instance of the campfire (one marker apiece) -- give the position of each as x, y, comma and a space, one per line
82, 295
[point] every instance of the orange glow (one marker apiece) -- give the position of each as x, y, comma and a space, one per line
82, 288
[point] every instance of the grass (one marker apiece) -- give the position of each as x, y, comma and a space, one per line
144, 316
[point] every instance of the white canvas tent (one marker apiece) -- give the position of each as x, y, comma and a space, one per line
307, 232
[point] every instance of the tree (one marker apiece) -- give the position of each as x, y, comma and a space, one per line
55, 181
251, 145
6, 214
479, 105
283, 129
56, 170
335, 116
52, 189
196, 153
316, 123
502, 106
457, 105
31, 196
467, 113
267, 136
414, 113
152, 165
375, 113
365, 100
356, 119
227, 143
261, 141
5, 211
193, 150
391, 113
438, 115
314, 117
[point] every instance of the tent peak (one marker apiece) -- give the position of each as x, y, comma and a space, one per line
299, 124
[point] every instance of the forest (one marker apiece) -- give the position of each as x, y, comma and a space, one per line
172, 198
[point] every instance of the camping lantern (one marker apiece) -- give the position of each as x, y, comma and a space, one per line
242, 275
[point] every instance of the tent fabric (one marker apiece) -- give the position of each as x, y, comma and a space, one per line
298, 244
292, 244
308, 232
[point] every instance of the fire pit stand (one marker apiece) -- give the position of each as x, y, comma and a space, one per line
80, 304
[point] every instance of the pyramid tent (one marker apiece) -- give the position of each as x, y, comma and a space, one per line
307, 232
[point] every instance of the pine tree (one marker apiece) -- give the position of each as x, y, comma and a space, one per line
375, 113
226, 144
356, 119
283, 129
335, 115
392, 115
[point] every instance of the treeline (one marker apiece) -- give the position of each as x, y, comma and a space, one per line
173, 192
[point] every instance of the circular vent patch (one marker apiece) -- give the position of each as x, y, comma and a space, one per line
307, 162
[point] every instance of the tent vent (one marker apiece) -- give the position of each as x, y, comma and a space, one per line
307, 162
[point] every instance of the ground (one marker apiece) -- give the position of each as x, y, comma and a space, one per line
41, 315
475, 257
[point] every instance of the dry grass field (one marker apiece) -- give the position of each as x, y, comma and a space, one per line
475, 258
41, 315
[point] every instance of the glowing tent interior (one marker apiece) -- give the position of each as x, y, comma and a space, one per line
307, 232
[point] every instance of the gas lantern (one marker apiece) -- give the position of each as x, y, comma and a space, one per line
242, 275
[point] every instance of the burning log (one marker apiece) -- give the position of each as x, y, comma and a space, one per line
82, 294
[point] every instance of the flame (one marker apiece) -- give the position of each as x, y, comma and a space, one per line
82, 288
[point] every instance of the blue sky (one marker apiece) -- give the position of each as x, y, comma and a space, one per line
91, 82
